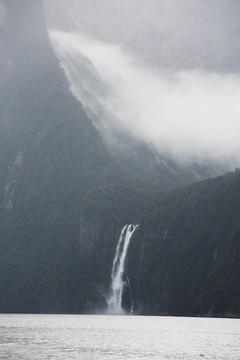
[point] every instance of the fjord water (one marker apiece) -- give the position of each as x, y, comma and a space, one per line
86, 337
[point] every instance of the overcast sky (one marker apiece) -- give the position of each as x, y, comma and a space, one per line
179, 91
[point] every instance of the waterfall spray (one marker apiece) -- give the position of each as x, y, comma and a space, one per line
140, 273
117, 283
130, 294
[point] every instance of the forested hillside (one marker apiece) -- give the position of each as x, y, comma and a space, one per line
64, 200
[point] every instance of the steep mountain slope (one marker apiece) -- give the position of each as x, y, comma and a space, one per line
50, 158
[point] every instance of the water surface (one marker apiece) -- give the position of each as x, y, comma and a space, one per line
85, 337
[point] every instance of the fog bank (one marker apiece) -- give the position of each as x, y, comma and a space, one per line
188, 114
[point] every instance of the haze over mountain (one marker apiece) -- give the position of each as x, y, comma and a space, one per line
161, 73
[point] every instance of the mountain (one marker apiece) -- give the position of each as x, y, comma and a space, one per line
220, 294
64, 198
195, 258
51, 157
149, 92
184, 259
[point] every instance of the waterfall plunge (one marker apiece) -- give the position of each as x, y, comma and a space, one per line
117, 283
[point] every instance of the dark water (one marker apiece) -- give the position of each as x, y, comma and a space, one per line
68, 337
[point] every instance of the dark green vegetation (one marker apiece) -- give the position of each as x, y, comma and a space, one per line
64, 200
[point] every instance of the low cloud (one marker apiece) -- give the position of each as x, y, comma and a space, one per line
188, 114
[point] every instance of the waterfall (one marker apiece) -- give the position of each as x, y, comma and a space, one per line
117, 283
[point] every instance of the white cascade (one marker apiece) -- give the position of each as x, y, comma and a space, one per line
114, 301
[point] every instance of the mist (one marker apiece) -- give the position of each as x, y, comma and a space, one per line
187, 112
